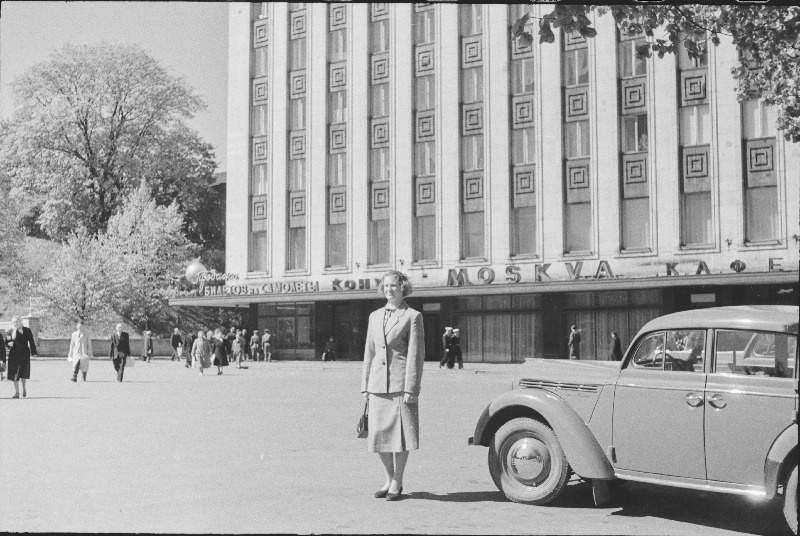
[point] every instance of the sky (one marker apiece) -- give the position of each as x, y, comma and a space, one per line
190, 39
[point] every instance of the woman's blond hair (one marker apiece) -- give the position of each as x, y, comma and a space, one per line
405, 284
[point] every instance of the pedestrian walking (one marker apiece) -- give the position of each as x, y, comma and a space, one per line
238, 348
80, 351
246, 346
188, 343
392, 373
446, 355
220, 350
176, 341
266, 345
2, 355
147, 345
329, 354
455, 348
255, 346
574, 342
120, 350
201, 352
21, 347
616, 347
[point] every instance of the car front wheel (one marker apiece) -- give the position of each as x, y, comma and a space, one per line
790, 501
527, 463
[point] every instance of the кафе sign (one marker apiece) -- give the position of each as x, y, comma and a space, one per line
213, 284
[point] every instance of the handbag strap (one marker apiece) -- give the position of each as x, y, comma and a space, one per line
366, 406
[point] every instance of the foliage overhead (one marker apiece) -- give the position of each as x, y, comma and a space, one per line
767, 37
150, 252
93, 122
77, 284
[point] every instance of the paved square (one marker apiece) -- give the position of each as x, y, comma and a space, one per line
273, 449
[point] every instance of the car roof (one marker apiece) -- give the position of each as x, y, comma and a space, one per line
754, 317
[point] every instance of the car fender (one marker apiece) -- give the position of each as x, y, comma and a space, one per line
778, 455
579, 444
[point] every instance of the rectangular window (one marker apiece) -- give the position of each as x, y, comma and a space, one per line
379, 133
296, 254
762, 212
577, 144
634, 157
755, 353
523, 178
425, 186
338, 144
297, 201
472, 175
696, 211
259, 180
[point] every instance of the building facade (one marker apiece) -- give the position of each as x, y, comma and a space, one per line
522, 189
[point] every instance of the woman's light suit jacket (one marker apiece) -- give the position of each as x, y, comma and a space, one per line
393, 364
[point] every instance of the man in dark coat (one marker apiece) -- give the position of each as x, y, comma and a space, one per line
447, 357
120, 350
616, 347
188, 343
20, 348
574, 343
2, 354
176, 340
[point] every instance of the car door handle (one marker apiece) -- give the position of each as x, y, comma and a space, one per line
717, 401
694, 399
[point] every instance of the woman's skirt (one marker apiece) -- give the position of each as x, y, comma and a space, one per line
220, 361
19, 368
393, 424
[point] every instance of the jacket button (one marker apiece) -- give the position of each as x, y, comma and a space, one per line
383, 362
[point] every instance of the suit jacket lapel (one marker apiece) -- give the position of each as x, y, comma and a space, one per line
394, 320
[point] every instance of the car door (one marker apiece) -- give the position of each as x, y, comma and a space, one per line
750, 399
658, 413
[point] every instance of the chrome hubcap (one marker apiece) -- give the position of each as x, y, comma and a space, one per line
527, 460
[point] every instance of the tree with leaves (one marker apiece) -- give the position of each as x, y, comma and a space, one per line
92, 123
78, 284
149, 252
767, 37
11, 248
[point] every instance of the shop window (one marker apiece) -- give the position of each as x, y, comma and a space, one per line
526, 301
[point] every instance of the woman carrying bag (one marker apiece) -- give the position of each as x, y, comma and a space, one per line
391, 377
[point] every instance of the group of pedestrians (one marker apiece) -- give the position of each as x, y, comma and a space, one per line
451, 344
218, 349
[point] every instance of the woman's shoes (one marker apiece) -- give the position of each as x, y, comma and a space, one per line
381, 493
394, 496
15, 396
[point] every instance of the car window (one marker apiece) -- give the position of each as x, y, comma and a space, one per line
686, 350
755, 353
650, 353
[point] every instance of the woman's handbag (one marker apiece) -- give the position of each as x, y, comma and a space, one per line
362, 428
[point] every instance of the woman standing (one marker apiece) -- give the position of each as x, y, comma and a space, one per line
200, 352
390, 381
20, 348
80, 351
220, 351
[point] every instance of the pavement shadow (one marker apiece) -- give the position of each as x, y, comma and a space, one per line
715, 510
458, 497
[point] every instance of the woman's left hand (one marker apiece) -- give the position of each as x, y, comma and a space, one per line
410, 399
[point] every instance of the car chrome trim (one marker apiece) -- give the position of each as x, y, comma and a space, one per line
689, 483
582, 387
